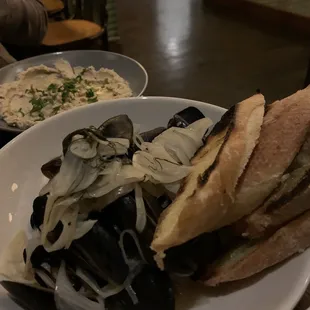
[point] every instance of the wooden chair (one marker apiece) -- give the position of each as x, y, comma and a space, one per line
92, 10
64, 35
69, 31
53, 6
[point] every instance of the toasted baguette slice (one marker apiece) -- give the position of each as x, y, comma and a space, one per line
283, 133
199, 205
280, 212
216, 137
288, 240
286, 202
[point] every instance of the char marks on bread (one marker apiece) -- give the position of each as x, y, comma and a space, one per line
283, 133
288, 200
208, 192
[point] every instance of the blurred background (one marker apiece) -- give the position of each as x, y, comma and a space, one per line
219, 51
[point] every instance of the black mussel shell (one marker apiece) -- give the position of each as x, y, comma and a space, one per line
51, 168
191, 257
153, 289
185, 117
149, 136
37, 215
155, 205
28, 297
40, 256
42, 280
120, 216
68, 139
119, 126
98, 253
117, 216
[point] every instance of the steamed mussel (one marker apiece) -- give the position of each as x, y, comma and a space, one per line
95, 219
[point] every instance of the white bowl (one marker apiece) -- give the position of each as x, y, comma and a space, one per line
20, 162
126, 67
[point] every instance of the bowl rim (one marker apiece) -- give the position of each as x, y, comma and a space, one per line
106, 102
299, 290
12, 129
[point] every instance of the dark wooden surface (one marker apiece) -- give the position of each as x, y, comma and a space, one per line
195, 51
200, 52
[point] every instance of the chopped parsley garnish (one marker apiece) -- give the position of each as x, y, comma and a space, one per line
37, 104
91, 100
65, 92
90, 93
52, 88
91, 96
68, 88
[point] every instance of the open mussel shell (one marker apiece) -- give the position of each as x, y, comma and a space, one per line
68, 139
30, 298
98, 253
119, 126
51, 168
149, 136
120, 216
185, 117
153, 289
40, 256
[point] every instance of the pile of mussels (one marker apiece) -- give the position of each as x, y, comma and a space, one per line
95, 219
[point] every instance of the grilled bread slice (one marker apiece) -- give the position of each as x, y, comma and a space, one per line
216, 137
200, 204
248, 260
280, 212
287, 201
283, 133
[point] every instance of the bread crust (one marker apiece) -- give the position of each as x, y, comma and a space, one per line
288, 240
285, 202
207, 193
283, 132
279, 209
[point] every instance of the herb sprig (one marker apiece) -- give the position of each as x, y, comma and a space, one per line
91, 97
41, 98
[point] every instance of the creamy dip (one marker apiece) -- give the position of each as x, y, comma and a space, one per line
41, 92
